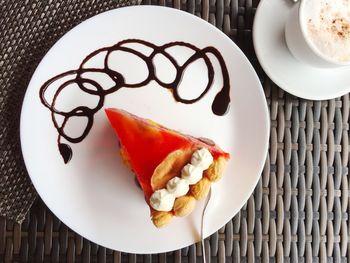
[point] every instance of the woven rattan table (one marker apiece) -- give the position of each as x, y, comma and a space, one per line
300, 208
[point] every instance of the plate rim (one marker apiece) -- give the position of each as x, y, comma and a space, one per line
266, 120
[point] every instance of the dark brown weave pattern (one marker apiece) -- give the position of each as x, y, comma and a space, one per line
300, 208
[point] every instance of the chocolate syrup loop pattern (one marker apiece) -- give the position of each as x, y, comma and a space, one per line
220, 104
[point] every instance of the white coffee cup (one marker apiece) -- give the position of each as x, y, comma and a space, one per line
300, 43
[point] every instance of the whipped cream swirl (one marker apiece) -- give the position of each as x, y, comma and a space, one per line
192, 173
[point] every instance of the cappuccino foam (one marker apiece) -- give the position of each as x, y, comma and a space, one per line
328, 27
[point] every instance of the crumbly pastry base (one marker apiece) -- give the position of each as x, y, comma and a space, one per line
169, 168
184, 205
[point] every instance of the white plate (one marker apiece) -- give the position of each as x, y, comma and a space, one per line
94, 194
290, 74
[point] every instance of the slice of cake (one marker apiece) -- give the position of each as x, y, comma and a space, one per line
173, 169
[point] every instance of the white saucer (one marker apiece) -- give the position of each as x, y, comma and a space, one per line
288, 73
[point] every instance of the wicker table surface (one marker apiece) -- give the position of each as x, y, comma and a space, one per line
299, 210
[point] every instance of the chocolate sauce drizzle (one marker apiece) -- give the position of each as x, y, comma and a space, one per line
219, 107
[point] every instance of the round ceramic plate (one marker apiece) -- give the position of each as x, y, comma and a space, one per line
279, 64
95, 194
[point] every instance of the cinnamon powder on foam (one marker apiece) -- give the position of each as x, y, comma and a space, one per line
328, 27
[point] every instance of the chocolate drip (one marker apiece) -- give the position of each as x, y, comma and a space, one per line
220, 103
65, 151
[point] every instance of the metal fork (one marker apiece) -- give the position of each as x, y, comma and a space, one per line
202, 225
